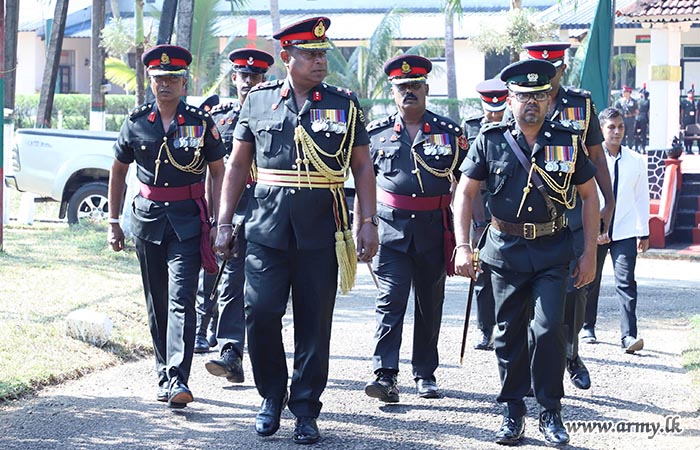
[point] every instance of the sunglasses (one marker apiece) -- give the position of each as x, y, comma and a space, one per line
524, 97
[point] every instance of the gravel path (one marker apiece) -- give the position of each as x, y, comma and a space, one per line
115, 408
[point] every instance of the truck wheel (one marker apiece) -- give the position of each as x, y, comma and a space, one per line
88, 204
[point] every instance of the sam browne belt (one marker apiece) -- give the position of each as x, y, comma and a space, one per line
528, 230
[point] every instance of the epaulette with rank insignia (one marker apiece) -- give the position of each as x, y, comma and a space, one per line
559, 126
494, 126
346, 93
267, 85
448, 125
380, 123
196, 112
140, 110
577, 91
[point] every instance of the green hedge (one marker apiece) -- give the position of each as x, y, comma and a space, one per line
74, 110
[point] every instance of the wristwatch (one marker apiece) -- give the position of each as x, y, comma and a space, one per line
373, 219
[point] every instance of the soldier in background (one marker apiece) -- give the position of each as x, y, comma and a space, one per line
172, 143
493, 95
689, 109
628, 106
641, 125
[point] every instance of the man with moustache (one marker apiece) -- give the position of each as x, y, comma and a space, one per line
172, 143
532, 168
303, 136
249, 68
416, 153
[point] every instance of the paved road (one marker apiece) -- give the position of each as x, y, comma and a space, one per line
115, 408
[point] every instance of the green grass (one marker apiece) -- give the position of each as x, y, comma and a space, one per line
691, 356
47, 271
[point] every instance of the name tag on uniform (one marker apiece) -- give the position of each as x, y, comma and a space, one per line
576, 117
559, 158
437, 144
189, 136
333, 120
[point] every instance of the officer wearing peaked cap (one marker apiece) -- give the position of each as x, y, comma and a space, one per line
172, 143
493, 93
249, 66
416, 154
532, 168
303, 135
575, 107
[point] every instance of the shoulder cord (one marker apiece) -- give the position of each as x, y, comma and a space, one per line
195, 166
440, 173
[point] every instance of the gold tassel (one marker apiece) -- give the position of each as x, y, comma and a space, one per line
352, 255
343, 264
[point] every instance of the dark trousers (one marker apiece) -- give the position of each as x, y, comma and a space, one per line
530, 304
628, 140
396, 273
231, 327
485, 305
575, 308
624, 259
312, 276
207, 309
170, 272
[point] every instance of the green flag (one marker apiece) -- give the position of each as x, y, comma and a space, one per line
595, 72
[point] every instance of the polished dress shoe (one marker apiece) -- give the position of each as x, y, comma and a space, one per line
552, 428
163, 391
179, 395
486, 342
427, 388
201, 345
632, 344
211, 332
588, 336
306, 431
228, 365
267, 421
384, 387
512, 431
578, 373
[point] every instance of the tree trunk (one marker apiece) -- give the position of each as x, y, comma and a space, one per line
453, 108
276, 25
11, 26
139, 40
167, 22
97, 68
184, 25
53, 58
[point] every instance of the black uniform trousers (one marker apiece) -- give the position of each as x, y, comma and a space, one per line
530, 303
624, 259
396, 272
231, 326
312, 276
485, 304
206, 306
628, 140
170, 272
576, 299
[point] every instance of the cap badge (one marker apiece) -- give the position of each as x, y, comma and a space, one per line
164, 59
405, 67
250, 61
545, 54
320, 29
532, 77
494, 100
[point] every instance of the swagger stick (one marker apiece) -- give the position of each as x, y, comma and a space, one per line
475, 265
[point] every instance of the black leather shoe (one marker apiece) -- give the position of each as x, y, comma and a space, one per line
306, 431
228, 365
211, 332
163, 392
512, 431
201, 345
384, 387
552, 428
267, 421
632, 344
578, 373
588, 336
486, 342
179, 395
427, 388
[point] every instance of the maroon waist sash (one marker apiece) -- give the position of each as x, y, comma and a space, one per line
190, 192
439, 202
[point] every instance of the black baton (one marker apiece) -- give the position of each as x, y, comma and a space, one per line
234, 235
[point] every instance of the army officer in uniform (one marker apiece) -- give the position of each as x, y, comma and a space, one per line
416, 154
532, 169
171, 143
304, 135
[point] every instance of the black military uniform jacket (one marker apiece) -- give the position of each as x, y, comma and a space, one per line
471, 127
280, 216
492, 159
225, 116
438, 145
627, 107
688, 112
142, 139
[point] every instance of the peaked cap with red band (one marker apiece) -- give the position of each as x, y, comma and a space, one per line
408, 69
251, 60
493, 94
553, 52
167, 60
309, 34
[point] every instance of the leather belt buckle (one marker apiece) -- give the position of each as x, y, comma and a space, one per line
529, 231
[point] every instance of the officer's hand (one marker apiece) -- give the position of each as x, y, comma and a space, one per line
606, 216
584, 272
222, 246
603, 239
367, 242
643, 245
115, 237
464, 262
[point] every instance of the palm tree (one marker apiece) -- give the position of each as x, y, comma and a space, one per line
452, 8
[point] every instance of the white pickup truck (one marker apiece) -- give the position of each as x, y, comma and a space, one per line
67, 166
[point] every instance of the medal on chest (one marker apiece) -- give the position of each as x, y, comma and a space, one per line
437, 145
189, 136
575, 117
330, 120
559, 158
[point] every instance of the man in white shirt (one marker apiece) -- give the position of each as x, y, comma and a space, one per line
629, 230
